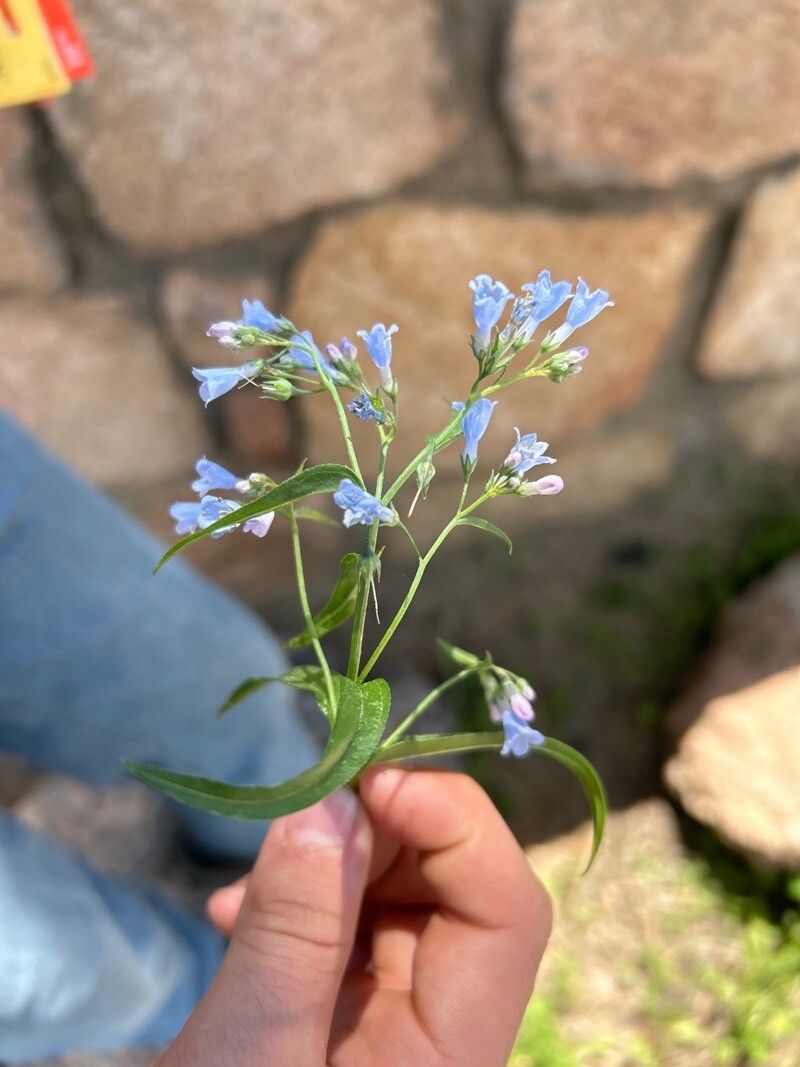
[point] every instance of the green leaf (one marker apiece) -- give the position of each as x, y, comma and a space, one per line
324, 478
356, 733
591, 783
307, 677
435, 745
340, 606
461, 657
489, 527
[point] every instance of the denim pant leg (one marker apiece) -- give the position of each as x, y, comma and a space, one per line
87, 962
99, 659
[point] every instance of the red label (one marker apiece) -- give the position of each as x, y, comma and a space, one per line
67, 38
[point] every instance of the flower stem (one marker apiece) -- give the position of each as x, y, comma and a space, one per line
436, 745
362, 597
306, 609
425, 703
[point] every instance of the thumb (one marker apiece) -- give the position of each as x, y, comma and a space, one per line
278, 984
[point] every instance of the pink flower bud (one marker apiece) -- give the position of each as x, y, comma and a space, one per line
521, 707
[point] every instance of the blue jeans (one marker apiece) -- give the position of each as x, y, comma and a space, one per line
99, 660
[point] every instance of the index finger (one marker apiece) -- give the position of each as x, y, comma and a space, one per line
476, 961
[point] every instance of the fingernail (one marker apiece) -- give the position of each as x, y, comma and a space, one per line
327, 824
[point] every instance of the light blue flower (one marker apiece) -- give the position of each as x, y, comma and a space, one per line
186, 515
214, 476
585, 306
473, 427
489, 299
528, 452
519, 737
360, 506
379, 346
215, 381
544, 298
363, 408
259, 525
213, 508
256, 315
300, 357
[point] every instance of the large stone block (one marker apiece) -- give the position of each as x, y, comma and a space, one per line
737, 761
217, 119
411, 264
653, 93
754, 327
30, 257
90, 380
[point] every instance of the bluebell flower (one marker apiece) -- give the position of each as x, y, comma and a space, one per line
186, 515
213, 508
345, 351
544, 298
379, 346
214, 476
585, 306
259, 525
473, 427
256, 315
363, 408
215, 381
297, 356
489, 299
519, 737
527, 452
360, 506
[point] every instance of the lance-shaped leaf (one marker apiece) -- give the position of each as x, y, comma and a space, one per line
461, 657
324, 478
436, 745
356, 733
488, 527
340, 606
309, 678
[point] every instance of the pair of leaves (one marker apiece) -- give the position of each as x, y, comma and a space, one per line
324, 478
361, 714
581, 767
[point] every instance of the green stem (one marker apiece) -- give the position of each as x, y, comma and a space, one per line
308, 618
337, 402
362, 597
415, 581
418, 747
425, 703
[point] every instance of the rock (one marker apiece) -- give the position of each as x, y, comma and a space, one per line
754, 326
192, 299
641, 926
237, 117
259, 431
652, 94
763, 420
31, 257
93, 384
411, 264
737, 761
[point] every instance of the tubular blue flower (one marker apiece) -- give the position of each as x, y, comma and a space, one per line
528, 452
519, 737
363, 408
547, 486
379, 346
473, 427
215, 381
345, 351
544, 298
213, 508
259, 525
214, 476
359, 506
256, 315
585, 306
489, 299
186, 515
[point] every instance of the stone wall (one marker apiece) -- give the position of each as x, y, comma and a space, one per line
358, 160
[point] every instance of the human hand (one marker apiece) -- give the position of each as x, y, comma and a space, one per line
404, 929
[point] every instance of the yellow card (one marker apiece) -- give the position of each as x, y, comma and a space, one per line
30, 68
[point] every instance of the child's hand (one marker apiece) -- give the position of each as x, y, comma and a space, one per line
411, 937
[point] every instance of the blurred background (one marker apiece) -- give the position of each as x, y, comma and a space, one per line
354, 161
